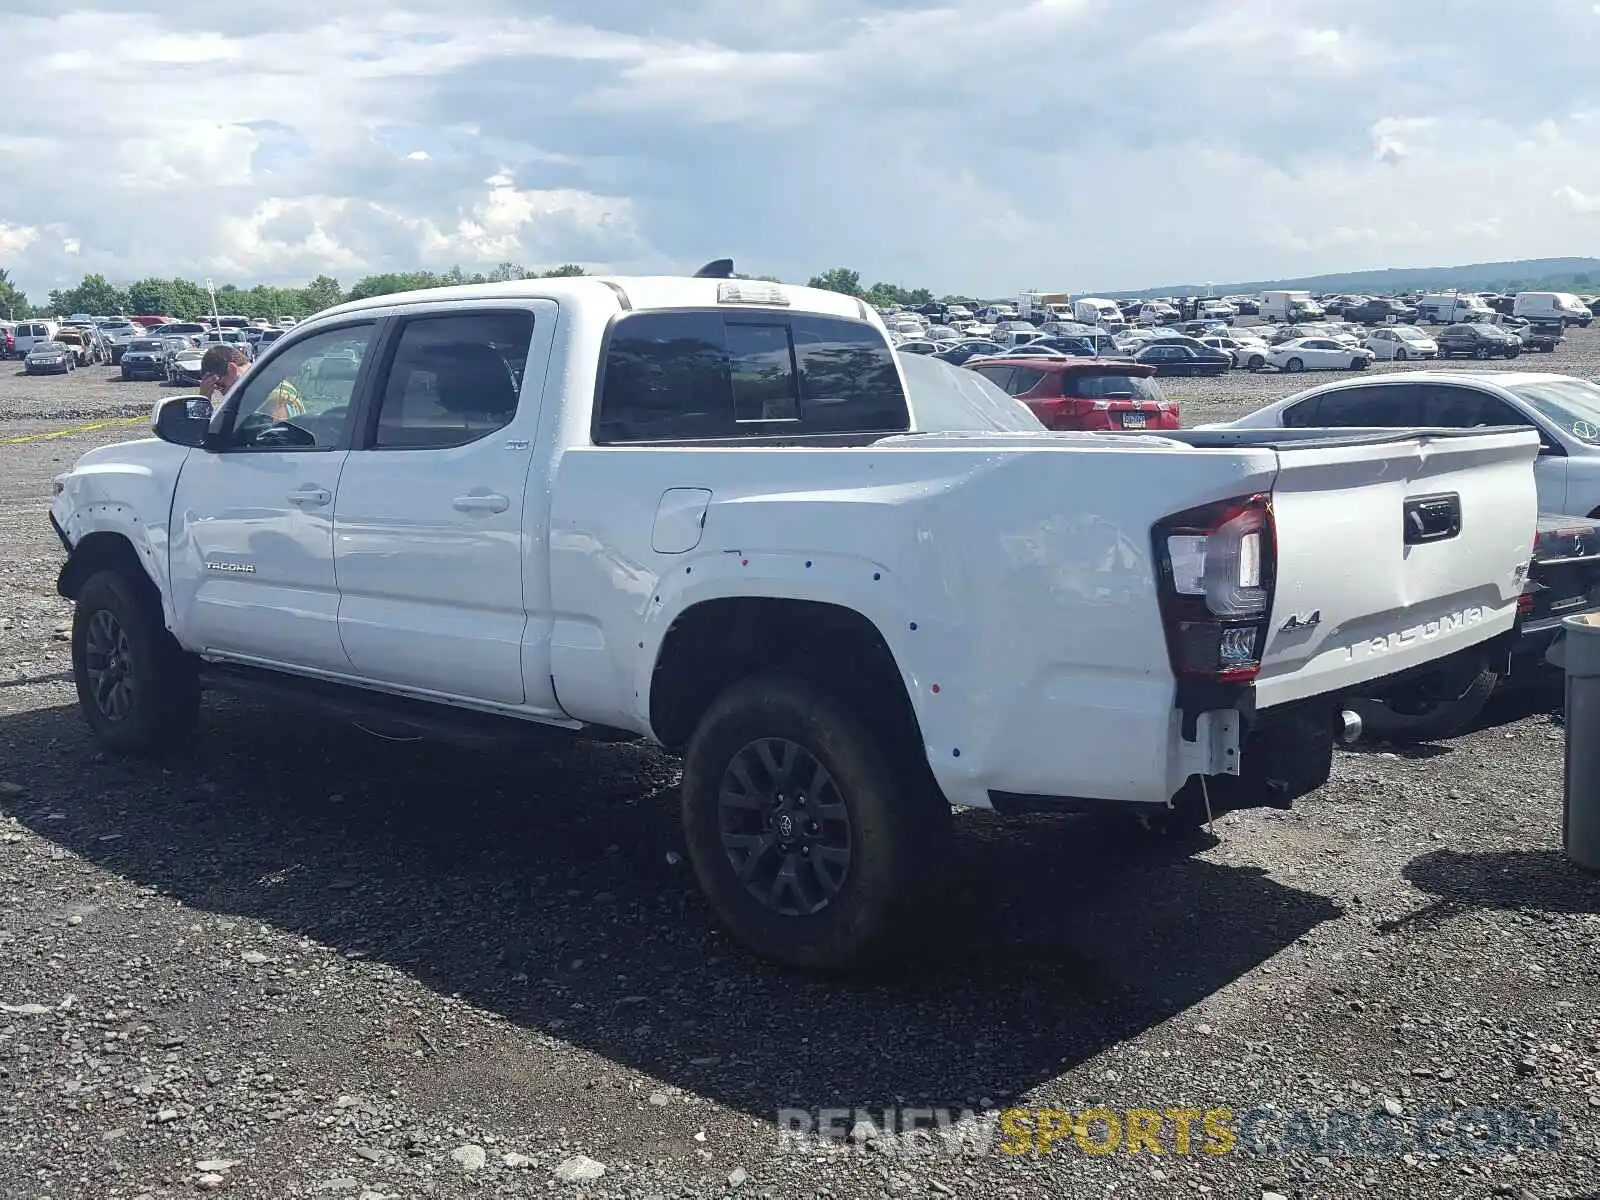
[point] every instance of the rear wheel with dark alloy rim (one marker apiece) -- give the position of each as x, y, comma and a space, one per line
811, 848
1482, 352
136, 687
784, 826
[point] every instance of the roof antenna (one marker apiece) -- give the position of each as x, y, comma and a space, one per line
719, 268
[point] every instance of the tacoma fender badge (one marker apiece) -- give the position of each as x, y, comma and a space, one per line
1302, 621
232, 568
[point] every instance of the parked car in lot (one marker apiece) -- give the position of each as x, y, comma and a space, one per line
1477, 340
144, 358
1318, 354
1543, 337
1247, 352
1398, 343
1564, 410
50, 358
700, 515
183, 366
84, 344
1174, 358
232, 337
1379, 311
961, 352
1083, 393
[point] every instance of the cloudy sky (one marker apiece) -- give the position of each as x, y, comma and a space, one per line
972, 146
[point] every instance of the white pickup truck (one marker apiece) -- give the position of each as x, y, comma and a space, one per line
703, 510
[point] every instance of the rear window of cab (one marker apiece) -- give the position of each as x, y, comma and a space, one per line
712, 375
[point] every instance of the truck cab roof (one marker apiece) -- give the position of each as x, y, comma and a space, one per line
639, 293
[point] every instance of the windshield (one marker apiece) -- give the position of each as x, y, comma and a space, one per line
1407, 334
947, 399
142, 344
1573, 404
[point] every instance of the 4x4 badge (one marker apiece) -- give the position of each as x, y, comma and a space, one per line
1302, 620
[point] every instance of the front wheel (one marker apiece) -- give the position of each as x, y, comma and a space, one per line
811, 849
1513, 351
1426, 719
1256, 362
136, 687
1400, 355
1357, 363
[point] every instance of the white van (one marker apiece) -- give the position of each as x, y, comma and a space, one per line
1452, 308
1093, 311
30, 333
1551, 306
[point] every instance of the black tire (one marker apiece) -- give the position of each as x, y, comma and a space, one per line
158, 699
1513, 351
126, 374
1295, 364
1443, 719
895, 838
1400, 354
1481, 353
1357, 363
1256, 362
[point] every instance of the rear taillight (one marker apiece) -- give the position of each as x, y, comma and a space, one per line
1216, 568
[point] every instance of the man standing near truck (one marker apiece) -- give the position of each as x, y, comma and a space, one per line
220, 370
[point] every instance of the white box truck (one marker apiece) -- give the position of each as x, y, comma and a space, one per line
1289, 307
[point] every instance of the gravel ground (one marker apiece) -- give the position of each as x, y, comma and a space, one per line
299, 961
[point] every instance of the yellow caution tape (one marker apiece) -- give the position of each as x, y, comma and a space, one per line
61, 433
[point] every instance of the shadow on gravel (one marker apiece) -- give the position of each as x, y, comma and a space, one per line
536, 883
1525, 880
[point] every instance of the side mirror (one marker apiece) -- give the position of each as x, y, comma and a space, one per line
182, 420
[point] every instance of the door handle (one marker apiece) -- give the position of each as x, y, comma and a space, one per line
312, 496
493, 502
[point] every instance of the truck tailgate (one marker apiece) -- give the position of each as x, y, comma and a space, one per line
1394, 553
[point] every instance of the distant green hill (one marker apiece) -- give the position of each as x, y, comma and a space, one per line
1527, 274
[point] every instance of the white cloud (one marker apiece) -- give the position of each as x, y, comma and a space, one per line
1577, 201
14, 239
1054, 143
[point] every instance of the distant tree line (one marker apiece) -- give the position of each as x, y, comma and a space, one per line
186, 299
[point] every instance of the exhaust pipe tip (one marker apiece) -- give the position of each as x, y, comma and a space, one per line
1349, 727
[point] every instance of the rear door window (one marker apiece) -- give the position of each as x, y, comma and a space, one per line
1392, 407
997, 375
688, 376
1024, 380
1448, 407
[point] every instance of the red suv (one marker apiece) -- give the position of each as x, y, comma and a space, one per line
1084, 393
